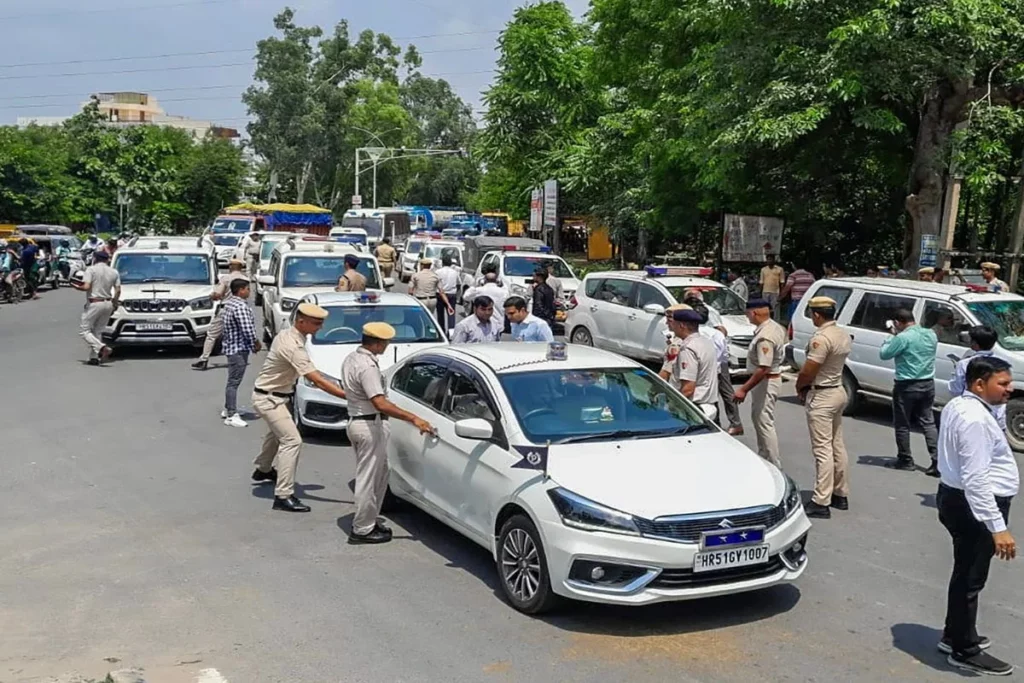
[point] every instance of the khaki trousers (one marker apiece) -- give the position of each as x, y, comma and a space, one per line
762, 414
370, 442
825, 423
214, 332
94, 318
430, 303
282, 442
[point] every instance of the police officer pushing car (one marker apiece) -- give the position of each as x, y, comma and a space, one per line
275, 388
368, 430
820, 388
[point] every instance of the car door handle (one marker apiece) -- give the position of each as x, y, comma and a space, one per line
852, 337
593, 309
632, 316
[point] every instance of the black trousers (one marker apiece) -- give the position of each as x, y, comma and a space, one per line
727, 393
972, 556
447, 322
912, 401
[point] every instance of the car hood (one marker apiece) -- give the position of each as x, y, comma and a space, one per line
652, 478
299, 292
165, 290
329, 357
738, 326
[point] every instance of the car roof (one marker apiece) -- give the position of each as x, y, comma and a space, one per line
667, 281
506, 357
313, 248
447, 243
342, 298
894, 286
176, 249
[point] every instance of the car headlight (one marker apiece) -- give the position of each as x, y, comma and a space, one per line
791, 500
325, 376
580, 513
517, 290
288, 304
204, 303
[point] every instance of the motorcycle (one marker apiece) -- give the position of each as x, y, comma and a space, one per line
13, 286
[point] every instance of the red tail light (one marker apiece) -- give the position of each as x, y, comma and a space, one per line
790, 331
572, 302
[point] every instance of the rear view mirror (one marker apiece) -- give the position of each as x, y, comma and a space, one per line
474, 428
654, 309
965, 337
266, 280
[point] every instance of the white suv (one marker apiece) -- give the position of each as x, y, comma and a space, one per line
865, 304
308, 265
624, 311
516, 264
165, 295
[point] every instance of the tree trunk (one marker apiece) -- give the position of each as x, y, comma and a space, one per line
302, 181
939, 116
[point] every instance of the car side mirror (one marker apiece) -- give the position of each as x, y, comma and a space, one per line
389, 282
267, 280
654, 309
710, 411
474, 428
965, 337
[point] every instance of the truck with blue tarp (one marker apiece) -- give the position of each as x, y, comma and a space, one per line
300, 218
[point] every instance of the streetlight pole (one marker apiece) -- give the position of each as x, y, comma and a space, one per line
375, 154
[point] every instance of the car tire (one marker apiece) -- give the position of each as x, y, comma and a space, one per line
526, 584
259, 301
1015, 423
581, 336
853, 397
268, 338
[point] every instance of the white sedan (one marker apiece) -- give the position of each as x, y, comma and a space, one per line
589, 478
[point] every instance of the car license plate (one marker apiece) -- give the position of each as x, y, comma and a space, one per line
729, 558
153, 327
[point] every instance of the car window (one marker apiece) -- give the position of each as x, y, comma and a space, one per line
945, 321
421, 381
275, 262
838, 294
649, 294
463, 400
592, 286
874, 309
615, 291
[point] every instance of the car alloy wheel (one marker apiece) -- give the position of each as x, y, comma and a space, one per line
1015, 423
522, 566
581, 336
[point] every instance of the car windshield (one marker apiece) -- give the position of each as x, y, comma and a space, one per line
344, 324
267, 247
226, 240
439, 251
584, 405
524, 266
1005, 317
722, 299
232, 225
181, 268
414, 247
374, 227
314, 271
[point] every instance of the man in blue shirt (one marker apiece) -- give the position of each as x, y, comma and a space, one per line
912, 349
526, 327
983, 340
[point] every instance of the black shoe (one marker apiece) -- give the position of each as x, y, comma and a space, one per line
94, 361
819, 511
945, 645
199, 365
381, 526
905, 464
933, 470
270, 476
840, 503
982, 663
290, 504
375, 536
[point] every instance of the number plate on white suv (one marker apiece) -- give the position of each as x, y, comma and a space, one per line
730, 548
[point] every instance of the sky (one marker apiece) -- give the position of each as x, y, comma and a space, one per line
54, 53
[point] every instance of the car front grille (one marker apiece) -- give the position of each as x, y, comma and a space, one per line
687, 578
688, 528
154, 305
325, 412
742, 340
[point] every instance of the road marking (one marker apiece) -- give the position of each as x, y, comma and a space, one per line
210, 676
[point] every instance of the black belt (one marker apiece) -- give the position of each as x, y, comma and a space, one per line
819, 387
272, 393
368, 418
426, 298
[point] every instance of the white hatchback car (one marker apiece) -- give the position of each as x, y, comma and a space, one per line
624, 311
589, 477
341, 334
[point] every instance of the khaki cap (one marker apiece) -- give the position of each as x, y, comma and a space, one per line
426, 262
379, 331
312, 311
236, 262
821, 302
678, 307
928, 270
988, 265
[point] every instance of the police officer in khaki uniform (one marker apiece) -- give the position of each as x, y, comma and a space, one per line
820, 388
102, 287
275, 388
696, 365
386, 256
368, 430
351, 280
425, 285
222, 292
764, 360
672, 345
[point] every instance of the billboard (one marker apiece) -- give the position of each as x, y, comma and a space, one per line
536, 209
751, 238
550, 203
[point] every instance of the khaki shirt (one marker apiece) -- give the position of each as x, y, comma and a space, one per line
829, 346
771, 279
768, 348
698, 362
286, 361
424, 284
386, 254
361, 379
223, 288
352, 281
102, 280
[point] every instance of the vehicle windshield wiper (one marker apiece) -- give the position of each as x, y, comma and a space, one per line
633, 434
688, 429
154, 279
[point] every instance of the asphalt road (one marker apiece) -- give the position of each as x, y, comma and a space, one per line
132, 537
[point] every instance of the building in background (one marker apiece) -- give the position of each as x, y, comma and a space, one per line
135, 109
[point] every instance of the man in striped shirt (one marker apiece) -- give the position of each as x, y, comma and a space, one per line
239, 339
797, 285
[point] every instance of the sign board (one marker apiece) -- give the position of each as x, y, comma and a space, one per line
751, 238
357, 200
551, 204
536, 209
929, 251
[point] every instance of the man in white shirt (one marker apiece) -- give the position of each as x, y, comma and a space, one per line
983, 340
448, 277
493, 290
979, 477
738, 285
479, 328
